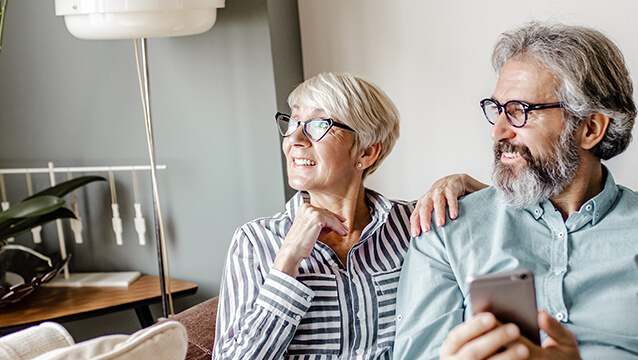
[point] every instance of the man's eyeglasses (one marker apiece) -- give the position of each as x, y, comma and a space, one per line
314, 129
516, 111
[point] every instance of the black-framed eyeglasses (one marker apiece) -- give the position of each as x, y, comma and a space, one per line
314, 129
516, 111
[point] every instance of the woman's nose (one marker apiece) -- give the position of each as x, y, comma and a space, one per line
298, 137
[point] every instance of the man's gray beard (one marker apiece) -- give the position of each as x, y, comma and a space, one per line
542, 178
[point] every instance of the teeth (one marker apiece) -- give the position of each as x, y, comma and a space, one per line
305, 162
511, 155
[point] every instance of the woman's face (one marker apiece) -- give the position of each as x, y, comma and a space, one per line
325, 166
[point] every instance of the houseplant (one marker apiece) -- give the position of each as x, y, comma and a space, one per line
38, 209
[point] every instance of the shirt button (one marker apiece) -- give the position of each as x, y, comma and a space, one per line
558, 272
360, 352
335, 267
560, 235
537, 211
399, 317
588, 207
360, 315
297, 317
560, 316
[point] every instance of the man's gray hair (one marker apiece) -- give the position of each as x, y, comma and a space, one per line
590, 70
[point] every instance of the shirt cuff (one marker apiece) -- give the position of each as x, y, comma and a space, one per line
285, 296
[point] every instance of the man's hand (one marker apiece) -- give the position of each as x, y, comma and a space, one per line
443, 192
311, 223
483, 337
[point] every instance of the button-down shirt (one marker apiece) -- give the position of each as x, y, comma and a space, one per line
586, 270
330, 311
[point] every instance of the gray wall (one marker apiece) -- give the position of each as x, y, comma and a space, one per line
213, 97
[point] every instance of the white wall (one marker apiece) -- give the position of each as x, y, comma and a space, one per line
433, 59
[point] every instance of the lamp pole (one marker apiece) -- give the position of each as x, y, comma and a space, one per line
160, 238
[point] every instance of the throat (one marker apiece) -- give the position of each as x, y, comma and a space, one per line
341, 245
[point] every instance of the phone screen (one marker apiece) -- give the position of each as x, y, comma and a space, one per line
510, 296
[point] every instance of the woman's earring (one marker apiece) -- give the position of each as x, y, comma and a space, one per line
359, 165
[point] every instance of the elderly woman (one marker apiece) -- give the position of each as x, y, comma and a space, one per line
318, 281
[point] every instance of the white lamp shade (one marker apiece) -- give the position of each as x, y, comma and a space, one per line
131, 19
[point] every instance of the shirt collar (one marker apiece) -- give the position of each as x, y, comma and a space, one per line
591, 211
379, 206
601, 204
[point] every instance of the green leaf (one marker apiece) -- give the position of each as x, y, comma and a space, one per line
26, 224
32, 207
67, 186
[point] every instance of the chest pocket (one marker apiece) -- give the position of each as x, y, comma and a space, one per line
319, 331
386, 284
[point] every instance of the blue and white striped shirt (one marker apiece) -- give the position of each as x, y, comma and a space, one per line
329, 311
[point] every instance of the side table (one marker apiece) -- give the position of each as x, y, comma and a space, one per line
72, 303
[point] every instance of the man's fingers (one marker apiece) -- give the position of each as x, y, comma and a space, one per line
463, 333
557, 333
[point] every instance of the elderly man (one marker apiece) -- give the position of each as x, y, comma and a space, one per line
562, 103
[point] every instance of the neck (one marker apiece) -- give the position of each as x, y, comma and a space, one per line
587, 183
350, 204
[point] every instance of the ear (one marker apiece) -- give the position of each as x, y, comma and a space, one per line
592, 130
369, 155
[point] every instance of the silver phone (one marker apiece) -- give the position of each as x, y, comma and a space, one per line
510, 296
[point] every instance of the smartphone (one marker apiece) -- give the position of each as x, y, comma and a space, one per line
510, 296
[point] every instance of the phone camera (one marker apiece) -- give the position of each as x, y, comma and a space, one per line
523, 276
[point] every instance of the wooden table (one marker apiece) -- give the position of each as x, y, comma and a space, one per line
72, 303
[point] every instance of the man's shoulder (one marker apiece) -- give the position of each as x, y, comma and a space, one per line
481, 200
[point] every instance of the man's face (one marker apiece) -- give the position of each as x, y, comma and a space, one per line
539, 160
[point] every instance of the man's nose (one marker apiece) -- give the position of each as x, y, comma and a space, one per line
502, 129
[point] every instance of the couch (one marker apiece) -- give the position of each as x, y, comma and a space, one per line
199, 322
188, 335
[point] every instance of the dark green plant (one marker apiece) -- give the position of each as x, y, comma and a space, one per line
41, 208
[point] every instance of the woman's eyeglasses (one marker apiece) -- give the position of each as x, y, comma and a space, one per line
314, 129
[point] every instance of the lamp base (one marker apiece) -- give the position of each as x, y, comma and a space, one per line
97, 279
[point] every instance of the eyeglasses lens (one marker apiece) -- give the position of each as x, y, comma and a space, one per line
491, 110
516, 113
286, 125
317, 128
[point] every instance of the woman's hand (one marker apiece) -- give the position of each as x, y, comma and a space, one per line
310, 224
444, 191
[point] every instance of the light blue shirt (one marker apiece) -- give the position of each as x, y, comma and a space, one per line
586, 270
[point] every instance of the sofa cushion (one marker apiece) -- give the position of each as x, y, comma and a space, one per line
166, 341
199, 321
34, 341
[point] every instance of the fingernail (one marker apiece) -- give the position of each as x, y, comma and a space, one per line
439, 223
512, 330
487, 320
522, 351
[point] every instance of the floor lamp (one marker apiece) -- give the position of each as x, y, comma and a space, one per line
139, 20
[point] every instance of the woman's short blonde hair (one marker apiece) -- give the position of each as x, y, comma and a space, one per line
357, 103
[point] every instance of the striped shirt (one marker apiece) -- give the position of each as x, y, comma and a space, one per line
330, 311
